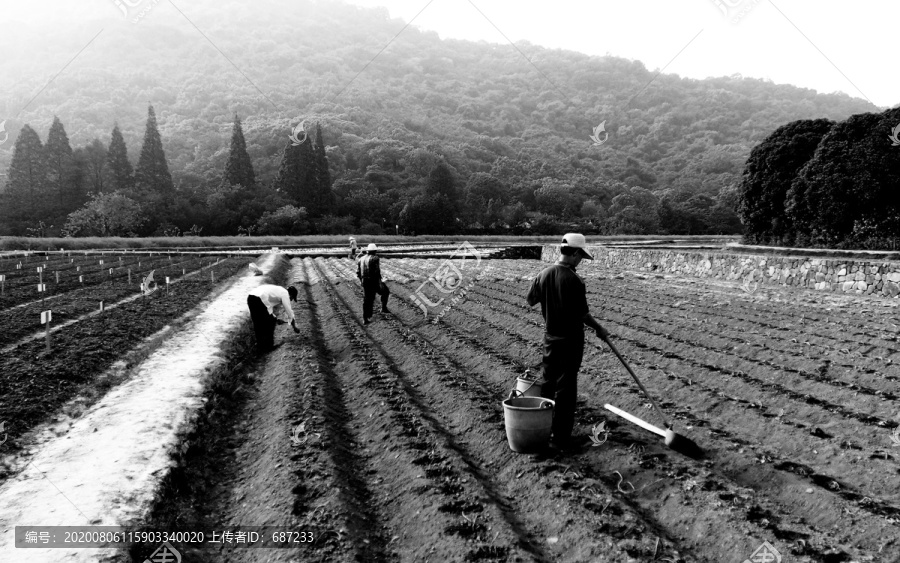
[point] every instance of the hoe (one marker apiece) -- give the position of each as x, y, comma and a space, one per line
673, 440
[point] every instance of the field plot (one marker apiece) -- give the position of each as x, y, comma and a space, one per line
793, 396
36, 384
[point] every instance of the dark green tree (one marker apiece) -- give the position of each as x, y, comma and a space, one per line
239, 168
325, 197
428, 214
847, 192
94, 164
152, 180
63, 184
297, 177
440, 182
121, 173
26, 201
770, 169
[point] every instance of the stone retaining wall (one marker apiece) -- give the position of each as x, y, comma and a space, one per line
823, 274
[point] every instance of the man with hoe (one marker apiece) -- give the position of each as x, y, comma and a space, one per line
270, 305
563, 298
368, 270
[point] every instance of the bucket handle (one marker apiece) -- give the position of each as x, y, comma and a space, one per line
513, 395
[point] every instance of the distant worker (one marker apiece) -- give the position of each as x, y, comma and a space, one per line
368, 270
353, 248
563, 298
270, 305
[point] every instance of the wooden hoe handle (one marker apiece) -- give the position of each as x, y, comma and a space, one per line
638, 381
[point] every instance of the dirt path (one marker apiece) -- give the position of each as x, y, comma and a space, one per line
104, 469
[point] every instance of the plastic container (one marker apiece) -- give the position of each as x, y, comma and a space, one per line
528, 423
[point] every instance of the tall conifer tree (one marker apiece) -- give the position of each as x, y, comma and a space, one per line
121, 173
297, 176
239, 168
25, 188
325, 197
152, 181
63, 184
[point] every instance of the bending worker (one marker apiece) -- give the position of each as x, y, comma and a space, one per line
368, 270
563, 298
270, 305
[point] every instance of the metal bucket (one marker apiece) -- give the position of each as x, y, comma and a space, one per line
528, 423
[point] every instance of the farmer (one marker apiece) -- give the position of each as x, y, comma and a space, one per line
368, 270
353, 248
270, 305
562, 295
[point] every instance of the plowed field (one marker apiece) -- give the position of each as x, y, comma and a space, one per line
404, 455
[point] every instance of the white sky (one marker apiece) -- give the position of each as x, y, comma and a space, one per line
859, 39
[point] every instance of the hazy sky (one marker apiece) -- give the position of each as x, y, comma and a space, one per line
826, 45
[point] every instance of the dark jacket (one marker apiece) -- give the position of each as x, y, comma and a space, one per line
563, 298
368, 270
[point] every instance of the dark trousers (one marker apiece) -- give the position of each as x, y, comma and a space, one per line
263, 323
562, 360
369, 291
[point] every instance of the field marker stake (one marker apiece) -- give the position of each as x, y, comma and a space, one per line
167, 285
101, 306
2, 284
57, 277
46, 317
129, 276
81, 279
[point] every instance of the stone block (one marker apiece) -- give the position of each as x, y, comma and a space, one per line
842, 272
820, 277
847, 285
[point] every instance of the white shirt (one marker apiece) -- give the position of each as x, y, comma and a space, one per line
276, 299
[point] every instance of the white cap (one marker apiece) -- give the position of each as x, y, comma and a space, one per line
371, 247
576, 240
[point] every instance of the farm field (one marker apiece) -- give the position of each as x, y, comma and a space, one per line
85, 342
404, 456
387, 442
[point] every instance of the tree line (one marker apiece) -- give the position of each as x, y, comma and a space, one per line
515, 150
95, 191
822, 183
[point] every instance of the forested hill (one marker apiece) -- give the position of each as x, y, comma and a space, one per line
472, 103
